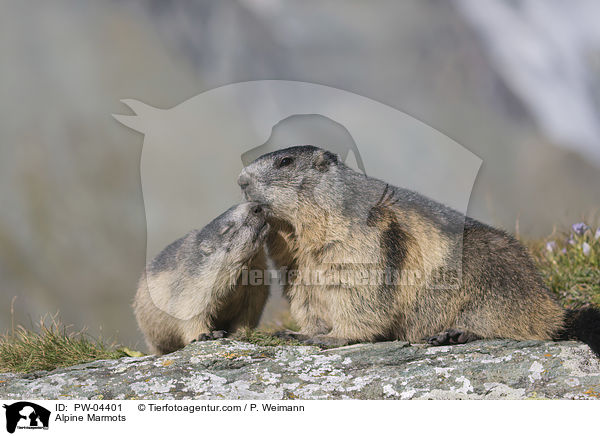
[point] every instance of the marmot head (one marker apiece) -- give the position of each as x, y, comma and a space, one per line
284, 179
236, 235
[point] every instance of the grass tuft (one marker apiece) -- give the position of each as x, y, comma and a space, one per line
53, 346
570, 264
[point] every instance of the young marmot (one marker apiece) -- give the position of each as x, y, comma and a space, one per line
193, 290
456, 279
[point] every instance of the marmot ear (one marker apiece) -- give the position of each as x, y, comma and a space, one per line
325, 160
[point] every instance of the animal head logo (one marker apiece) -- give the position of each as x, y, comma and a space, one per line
193, 152
26, 415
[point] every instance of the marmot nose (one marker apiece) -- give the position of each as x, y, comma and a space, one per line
243, 181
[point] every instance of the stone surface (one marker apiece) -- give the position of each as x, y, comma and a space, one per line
228, 369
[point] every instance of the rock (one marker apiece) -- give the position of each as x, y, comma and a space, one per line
226, 369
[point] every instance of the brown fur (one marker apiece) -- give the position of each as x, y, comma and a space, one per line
343, 219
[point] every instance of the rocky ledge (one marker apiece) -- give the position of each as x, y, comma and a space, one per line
229, 369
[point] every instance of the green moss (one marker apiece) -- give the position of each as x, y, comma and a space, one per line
263, 338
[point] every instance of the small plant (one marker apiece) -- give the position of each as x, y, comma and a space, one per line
570, 264
264, 338
52, 346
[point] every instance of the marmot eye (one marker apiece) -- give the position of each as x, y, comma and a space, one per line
285, 162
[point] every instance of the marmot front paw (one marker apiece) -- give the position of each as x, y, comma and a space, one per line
452, 337
215, 334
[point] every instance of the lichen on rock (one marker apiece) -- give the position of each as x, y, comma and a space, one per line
228, 369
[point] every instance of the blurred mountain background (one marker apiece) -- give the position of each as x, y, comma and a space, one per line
515, 82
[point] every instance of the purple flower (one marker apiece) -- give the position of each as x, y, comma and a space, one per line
597, 235
571, 241
580, 228
586, 248
551, 246
563, 251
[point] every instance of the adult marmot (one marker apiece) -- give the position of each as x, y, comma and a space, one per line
446, 278
193, 290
